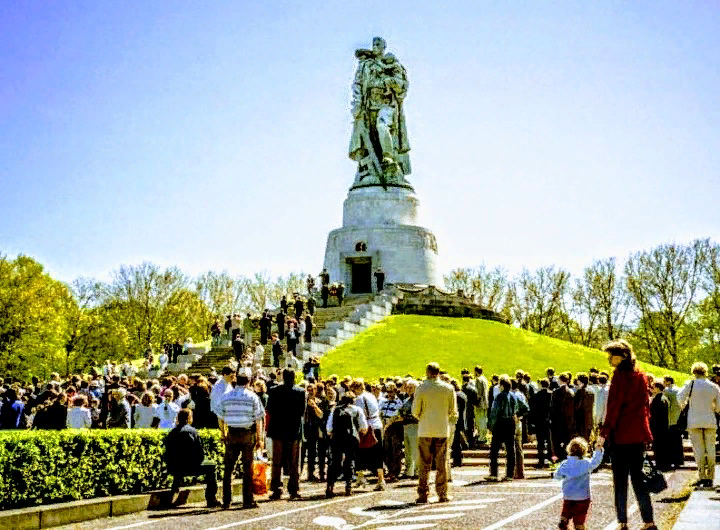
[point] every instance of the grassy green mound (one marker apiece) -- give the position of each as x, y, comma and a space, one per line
404, 344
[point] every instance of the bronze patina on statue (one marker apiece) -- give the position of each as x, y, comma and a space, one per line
379, 141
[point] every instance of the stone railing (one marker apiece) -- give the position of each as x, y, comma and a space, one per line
429, 300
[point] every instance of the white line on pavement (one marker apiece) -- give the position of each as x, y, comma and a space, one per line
153, 521
135, 525
520, 515
288, 512
631, 511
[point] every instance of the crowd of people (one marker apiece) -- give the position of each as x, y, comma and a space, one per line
347, 429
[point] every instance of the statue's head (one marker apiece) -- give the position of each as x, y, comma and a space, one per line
379, 45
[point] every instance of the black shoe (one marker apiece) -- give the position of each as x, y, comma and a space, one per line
295, 496
276, 496
250, 506
422, 499
329, 494
214, 504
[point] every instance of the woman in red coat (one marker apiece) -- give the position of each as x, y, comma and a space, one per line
627, 424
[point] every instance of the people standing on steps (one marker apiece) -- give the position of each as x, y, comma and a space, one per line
265, 326
293, 338
308, 328
325, 294
280, 321
299, 307
311, 305
284, 304
248, 329
340, 293
277, 350
310, 282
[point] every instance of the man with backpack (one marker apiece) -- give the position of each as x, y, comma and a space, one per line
345, 424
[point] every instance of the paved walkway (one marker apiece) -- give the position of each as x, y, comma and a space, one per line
702, 510
533, 503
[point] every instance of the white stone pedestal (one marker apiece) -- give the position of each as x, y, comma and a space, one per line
379, 230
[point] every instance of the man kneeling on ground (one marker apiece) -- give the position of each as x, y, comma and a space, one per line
185, 457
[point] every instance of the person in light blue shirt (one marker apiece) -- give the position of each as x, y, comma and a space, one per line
575, 474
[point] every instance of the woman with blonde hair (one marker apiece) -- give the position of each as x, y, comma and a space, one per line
703, 397
145, 411
627, 421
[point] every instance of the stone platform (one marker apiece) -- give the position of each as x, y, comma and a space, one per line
380, 230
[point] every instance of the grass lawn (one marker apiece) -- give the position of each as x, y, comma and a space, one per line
404, 344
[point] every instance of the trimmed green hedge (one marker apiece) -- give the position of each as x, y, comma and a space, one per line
45, 467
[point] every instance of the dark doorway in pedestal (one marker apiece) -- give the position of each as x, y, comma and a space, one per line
361, 272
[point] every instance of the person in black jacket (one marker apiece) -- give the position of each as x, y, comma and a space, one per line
540, 420
280, 320
299, 308
277, 350
265, 325
286, 409
468, 388
659, 426
185, 457
562, 417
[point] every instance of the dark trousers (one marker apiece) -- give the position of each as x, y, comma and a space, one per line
208, 471
285, 457
343, 457
676, 454
560, 437
394, 441
239, 443
627, 460
503, 433
263, 336
309, 454
543, 444
660, 450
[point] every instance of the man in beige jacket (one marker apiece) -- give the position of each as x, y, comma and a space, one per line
435, 407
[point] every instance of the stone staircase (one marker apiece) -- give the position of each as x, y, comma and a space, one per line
481, 457
333, 325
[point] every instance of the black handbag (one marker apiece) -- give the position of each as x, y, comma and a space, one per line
653, 480
681, 424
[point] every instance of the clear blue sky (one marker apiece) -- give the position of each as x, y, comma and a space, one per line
213, 135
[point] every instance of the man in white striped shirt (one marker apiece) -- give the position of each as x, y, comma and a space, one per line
243, 430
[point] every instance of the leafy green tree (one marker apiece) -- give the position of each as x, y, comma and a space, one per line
32, 319
664, 284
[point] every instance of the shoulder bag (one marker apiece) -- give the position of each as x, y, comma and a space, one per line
368, 439
681, 424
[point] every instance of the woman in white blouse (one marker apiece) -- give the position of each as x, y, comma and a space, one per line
145, 412
373, 457
704, 397
78, 416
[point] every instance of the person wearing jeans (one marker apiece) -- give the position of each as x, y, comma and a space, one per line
627, 420
703, 398
501, 422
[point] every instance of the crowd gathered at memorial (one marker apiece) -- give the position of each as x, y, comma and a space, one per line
331, 429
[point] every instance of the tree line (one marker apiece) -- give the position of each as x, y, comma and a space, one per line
47, 325
666, 300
